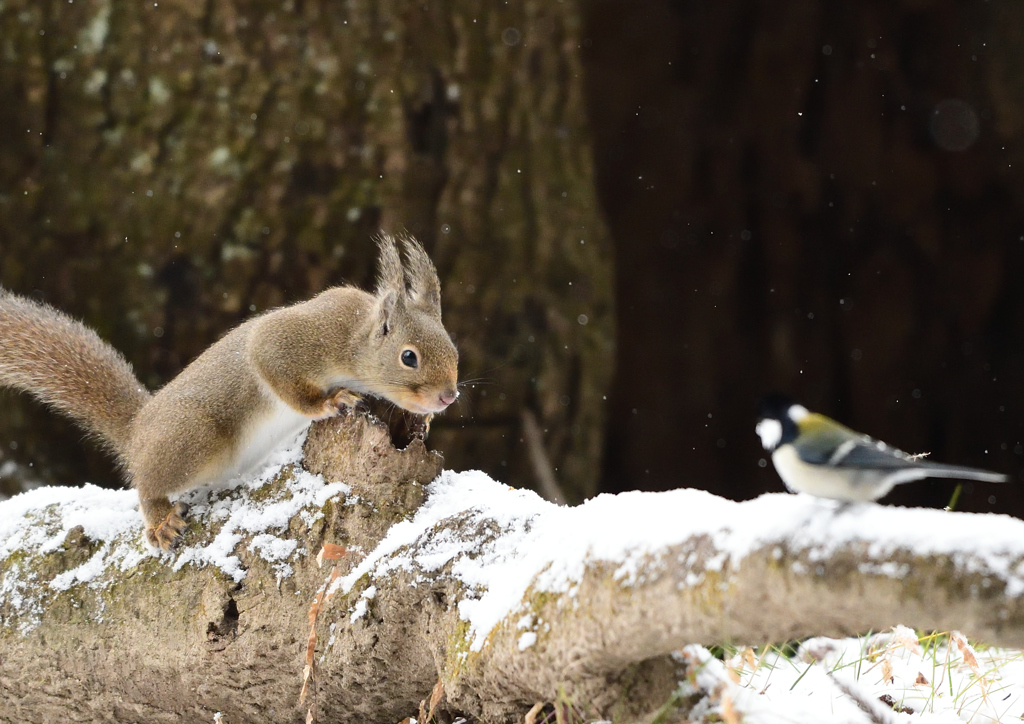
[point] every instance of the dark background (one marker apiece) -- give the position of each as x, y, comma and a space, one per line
821, 198
818, 198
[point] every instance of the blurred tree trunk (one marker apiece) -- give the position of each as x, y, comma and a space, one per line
168, 168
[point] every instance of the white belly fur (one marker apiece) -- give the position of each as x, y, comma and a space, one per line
850, 486
277, 427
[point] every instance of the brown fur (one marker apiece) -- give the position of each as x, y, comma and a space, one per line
313, 357
67, 366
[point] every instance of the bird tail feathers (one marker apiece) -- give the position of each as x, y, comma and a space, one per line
960, 472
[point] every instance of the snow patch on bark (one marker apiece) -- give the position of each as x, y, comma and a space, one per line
38, 522
507, 542
247, 511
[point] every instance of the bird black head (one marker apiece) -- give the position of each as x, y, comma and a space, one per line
775, 423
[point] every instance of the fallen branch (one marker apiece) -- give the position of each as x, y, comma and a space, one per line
502, 597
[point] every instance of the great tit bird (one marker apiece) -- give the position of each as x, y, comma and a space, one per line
815, 454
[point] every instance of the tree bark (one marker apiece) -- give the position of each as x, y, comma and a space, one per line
150, 643
168, 169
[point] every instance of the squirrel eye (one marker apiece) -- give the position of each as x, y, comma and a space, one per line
409, 359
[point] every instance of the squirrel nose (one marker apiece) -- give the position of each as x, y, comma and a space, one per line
448, 396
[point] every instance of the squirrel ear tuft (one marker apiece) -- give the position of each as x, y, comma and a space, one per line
424, 287
390, 275
386, 305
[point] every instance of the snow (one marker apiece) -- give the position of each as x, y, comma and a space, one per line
935, 680
542, 546
359, 611
502, 543
38, 522
245, 513
546, 547
362, 605
104, 515
527, 640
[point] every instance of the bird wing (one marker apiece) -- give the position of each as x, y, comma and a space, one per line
873, 454
832, 445
826, 442
878, 456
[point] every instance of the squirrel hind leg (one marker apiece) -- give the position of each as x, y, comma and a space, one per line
164, 521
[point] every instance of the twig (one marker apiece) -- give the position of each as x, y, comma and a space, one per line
549, 487
865, 703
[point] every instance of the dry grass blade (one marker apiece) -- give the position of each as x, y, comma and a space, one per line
435, 699
330, 552
531, 716
967, 651
748, 656
331, 579
728, 712
906, 637
311, 644
309, 672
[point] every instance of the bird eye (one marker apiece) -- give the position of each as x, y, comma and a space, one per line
409, 359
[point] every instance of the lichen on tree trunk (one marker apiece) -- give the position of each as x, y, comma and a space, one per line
167, 169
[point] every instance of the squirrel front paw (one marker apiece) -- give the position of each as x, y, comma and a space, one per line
340, 399
167, 533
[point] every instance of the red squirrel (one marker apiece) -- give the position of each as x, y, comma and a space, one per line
248, 393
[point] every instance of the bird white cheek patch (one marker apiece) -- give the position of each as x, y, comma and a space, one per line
797, 412
770, 432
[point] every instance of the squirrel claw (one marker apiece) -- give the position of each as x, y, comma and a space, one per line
167, 534
419, 425
343, 398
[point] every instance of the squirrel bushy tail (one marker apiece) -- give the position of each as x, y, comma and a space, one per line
67, 366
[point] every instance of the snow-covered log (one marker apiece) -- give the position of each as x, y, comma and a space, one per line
503, 597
